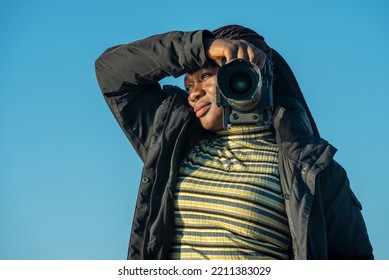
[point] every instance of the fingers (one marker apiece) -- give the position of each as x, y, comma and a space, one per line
218, 49
261, 59
244, 51
251, 53
238, 49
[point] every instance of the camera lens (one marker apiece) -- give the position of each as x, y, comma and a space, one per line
240, 83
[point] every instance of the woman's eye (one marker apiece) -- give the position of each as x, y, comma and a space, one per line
188, 88
205, 76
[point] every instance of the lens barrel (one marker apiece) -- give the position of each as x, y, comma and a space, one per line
240, 81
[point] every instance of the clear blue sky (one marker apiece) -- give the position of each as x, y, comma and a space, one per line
69, 177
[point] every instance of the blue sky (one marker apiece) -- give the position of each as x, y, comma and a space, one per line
69, 177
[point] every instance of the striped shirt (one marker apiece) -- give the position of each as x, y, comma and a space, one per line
228, 202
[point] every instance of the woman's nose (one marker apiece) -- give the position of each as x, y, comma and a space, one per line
196, 93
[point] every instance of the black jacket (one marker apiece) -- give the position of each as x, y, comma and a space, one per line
324, 215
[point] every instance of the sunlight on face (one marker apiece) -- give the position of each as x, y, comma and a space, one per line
201, 88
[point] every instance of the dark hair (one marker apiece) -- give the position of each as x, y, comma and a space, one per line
237, 32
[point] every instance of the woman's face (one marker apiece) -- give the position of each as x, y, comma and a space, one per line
201, 88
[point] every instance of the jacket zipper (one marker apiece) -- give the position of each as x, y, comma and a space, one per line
147, 225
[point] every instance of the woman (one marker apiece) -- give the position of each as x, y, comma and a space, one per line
251, 192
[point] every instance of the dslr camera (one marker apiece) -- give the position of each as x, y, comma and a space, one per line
245, 93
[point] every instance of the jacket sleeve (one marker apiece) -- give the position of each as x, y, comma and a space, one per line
128, 77
346, 230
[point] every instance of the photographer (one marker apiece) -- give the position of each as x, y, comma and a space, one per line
265, 190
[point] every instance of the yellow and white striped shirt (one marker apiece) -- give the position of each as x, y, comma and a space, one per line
228, 202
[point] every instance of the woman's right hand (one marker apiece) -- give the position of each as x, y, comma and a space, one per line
217, 49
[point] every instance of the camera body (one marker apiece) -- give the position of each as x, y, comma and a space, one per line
245, 93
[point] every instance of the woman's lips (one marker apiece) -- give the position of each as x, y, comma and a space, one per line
201, 108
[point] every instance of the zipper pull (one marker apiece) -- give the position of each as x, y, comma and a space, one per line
285, 196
